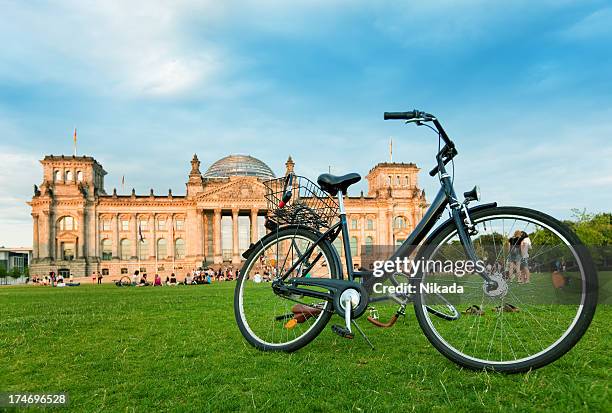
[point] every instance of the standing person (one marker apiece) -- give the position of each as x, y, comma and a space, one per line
514, 256
93, 278
99, 278
525, 246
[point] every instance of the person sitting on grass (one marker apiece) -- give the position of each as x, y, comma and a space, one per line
188, 279
135, 278
157, 282
172, 279
143, 281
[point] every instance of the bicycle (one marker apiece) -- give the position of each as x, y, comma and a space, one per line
510, 326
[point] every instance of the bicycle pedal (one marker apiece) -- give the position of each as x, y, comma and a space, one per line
342, 331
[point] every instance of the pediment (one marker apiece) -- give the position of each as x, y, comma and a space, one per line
247, 188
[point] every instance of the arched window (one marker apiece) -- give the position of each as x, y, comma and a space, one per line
397, 181
406, 182
126, 247
399, 223
79, 176
369, 245
143, 249
162, 249
179, 249
57, 176
67, 223
354, 242
107, 249
338, 246
68, 175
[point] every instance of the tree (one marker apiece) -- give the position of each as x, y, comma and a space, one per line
3, 272
16, 272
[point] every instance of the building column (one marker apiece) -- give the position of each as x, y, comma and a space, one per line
136, 238
254, 234
35, 245
205, 226
217, 258
152, 241
235, 244
80, 252
115, 225
171, 235
51, 233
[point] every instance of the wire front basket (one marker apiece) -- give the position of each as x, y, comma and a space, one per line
309, 204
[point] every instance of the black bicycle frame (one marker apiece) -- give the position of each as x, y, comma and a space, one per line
446, 196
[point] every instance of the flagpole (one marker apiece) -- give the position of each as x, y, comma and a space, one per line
74, 145
391, 149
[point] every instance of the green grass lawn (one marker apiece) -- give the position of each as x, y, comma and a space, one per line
143, 349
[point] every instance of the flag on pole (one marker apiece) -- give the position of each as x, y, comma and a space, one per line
391, 149
123, 183
75, 142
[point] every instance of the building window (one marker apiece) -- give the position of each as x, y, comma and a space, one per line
67, 224
399, 223
124, 271
68, 251
57, 176
179, 224
370, 224
79, 176
338, 246
406, 181
143, 224
125, 225
104, 271
68, 175
354, 242
143, 249
389, 180
161, 225
369, 245
106, 224
162, 249
107, 249
397, 181
179, 249
125, 249
353, 224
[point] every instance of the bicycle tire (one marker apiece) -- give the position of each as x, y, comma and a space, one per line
576, 332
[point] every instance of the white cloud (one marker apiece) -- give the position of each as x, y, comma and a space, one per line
595, 25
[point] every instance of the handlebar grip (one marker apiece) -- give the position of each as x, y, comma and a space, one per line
402, 115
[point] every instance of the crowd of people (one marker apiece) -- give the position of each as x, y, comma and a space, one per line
195, 277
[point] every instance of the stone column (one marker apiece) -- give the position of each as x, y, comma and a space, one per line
235, 243
115, 225
170, 224
35, 245
80, 252
51, 223
153, 240
205, 226
254, 235
217, 257
135, 237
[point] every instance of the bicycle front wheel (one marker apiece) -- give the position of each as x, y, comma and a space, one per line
544, 301
273, 322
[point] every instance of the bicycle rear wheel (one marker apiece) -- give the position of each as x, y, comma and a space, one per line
541, 308
272, 322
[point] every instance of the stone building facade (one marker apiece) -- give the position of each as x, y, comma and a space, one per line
79, 228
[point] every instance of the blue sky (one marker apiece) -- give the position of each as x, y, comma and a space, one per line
524, 89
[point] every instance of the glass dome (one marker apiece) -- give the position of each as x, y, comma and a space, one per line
239, 165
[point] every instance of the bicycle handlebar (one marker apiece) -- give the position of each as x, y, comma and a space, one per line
447, 153
414, 114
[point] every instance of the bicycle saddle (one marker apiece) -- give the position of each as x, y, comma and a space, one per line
332, 183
